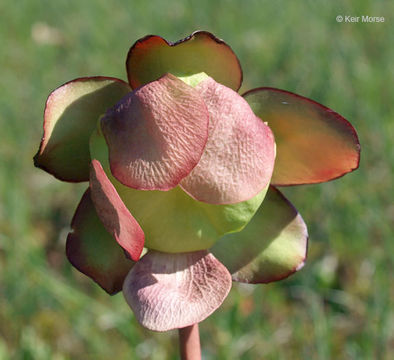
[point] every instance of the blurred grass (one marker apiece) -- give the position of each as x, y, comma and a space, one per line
338, 307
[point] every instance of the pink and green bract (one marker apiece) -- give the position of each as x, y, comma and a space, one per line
182, 165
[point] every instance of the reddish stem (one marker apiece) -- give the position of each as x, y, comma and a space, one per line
189, 343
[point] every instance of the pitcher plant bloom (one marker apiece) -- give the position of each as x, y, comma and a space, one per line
181, 165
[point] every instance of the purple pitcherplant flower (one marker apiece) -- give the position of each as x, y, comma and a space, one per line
179, 163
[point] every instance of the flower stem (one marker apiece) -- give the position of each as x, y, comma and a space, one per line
189, 343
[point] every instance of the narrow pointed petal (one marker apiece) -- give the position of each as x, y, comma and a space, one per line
93, 251
169, 291
152, 56
314, 143
71, 114
114, 214
156, 134
270, 248
239, 156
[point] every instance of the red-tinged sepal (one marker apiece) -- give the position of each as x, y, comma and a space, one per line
152, 56
314, 143
93, 251
71, 114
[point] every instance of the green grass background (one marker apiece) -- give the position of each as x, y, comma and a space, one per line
338, 307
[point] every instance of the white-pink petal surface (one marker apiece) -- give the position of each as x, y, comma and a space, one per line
156, 134
169, 291
239, 156
114, 214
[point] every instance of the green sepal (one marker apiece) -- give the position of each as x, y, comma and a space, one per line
270, 248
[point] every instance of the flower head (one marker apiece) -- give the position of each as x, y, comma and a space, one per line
179, 163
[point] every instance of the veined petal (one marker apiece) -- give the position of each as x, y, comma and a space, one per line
169, 291
270, 248
152, 56
71, 114
156, 134
93, 251
239, 156
314, 143
114, 214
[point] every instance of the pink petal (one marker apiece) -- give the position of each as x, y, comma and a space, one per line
239, 156
169, 291
156, 134
114, 214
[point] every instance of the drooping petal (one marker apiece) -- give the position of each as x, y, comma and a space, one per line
114, 214
270, 248
314, 143
71, 114
156, 134
172, 220
152, 56
169, 291
93, 251
239, 156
